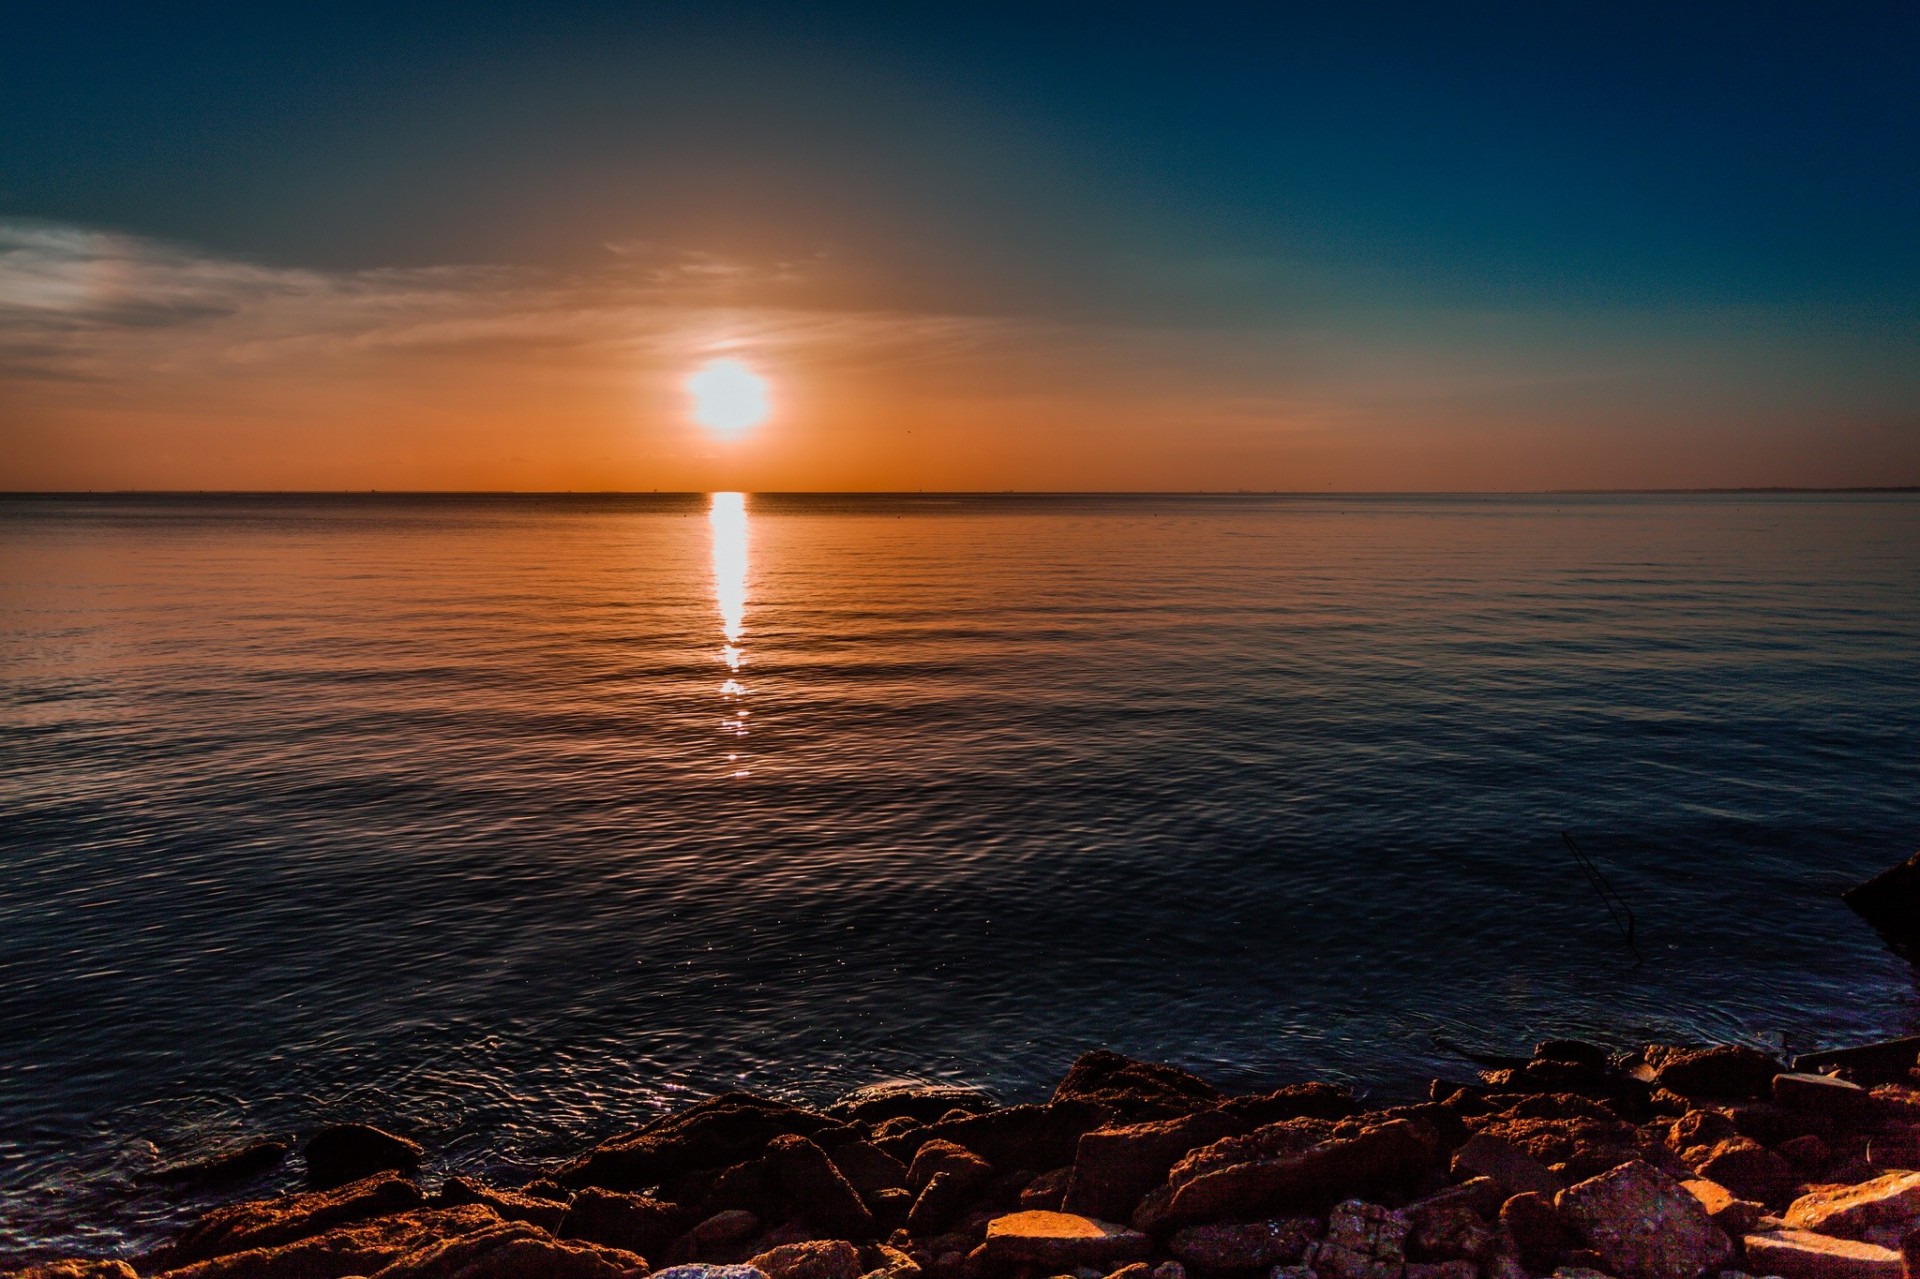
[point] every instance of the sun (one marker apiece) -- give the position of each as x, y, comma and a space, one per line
728, 396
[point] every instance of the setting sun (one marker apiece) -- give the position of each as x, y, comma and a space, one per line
728, 396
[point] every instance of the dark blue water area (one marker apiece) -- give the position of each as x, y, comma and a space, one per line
510, 822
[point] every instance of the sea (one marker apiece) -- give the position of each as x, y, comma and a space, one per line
509, 822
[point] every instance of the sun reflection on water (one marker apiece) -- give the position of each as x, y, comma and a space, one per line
728, 516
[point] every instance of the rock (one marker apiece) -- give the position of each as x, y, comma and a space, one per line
359, 1248
1506, 1165
237, 1164
1363, 1241
1579, 1272
267, 1223
1728, 1211
877, 1103
1890, 903
1135, 1090
1227, 1246
515, 1250
1388, 1158
1644, 1225
1810, 1153
1888, 1152
732, 1226
1749, 1169
868, 1168
1452, 1225
1294, 1272
1501, 1266
1048, 1190
1461, 1269
700, 1270
1013, 1136
1770, 1125
509, 1205
815, 1259
1114, 1167
718, 1133
75, 1268
1169, 1270
890, 1209
1849, 1212
1574, 1050
340, 1153
943, 1199
1062, 1240
1823, 1095
1700, 1128
1286, 1137
1800, 1254
1539, 1236
1885, 1062
938, 1156
630, 1223
817, 1189
1295, 1101
1730, 1071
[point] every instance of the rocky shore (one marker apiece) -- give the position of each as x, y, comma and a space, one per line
1574, 1163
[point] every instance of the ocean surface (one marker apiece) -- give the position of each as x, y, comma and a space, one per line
508, 822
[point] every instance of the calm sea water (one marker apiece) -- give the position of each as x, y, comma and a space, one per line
509, 822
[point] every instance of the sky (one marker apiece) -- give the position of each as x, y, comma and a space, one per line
968, 247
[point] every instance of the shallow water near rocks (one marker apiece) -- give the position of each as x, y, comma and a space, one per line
510, 822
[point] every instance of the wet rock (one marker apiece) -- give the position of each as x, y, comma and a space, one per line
1885, 1062
1749, 1169
1823, 1095
340, 1153
1579, 1051
817, 1189
1505, 1164
1295, 1101
1114, 1167
815, 1259
1047, 1191
939, 1202
361, 1248
507, 1204
937, 1156
868, 1168
238, 1164
267, 1223
1013, 1136
1851, 1212
1800, 1254
1228, 1246
717, 1133
911, 1099
515, 1250
1389, 1158
75, 1268
1890, 903
631, 1223
1727, 1210
1539, 1237
1135, 1090
1644, 1225
1061, 1240
1363, 1241
1730, 1071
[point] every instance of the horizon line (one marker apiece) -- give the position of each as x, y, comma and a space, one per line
405, 492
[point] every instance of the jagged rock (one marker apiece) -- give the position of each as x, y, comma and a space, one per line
1047, 1191
359, 1248
1728, 1211
939, 1202
815, 1259
237, 1164
631, 1223
1801, 1254
938, 1156
266, 1223
717, 1133
1643, 1225
1063, 1240
1539, 1236
701, 1270
1114, 1167
1890, 902
1388, 1158
1730, 1071
1505, 1164
1850, 1212
1013, 1136
868, 1168
817, 1188
890, 1209
514, 1250
75, 1268
877, 1103
1452, 1225
1135, 1090
732, 1226
510, 1206
340, 1153
1700, 1128
1295, 1101
1226, 1246
1363, 1241
1823, 1095
1283, 1137
1749, 1169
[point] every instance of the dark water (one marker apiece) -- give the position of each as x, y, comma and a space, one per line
454, 813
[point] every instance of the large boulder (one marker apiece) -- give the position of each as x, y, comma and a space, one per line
1825, 1095
1387, 1159
510, 1205
1801, 1254
817, 1188
936, 1157
340, 1153
361, 1248
1061, 1241
1224, 1247
1114, 1167
868, 1168
1749, 1169
1731, 1071
1644, 1225
237, 1163
1885, 1062
1506, 1165
811, 1259
1135, 1090
629, 1223
1363, 1241
1295, 1101
1852, 1212
266, 1223
514, 1250
911, 1099
1028, 1138
717, 1133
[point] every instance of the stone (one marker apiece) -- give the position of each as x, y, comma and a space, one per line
1386, 1159
514, 1250
1169, 1270
1458, 1269
1501, 1266
942, 1199
1850, 1212
701, 1270
1061, 1239
1731, 1071
868, 1168
1114, 1167
1770, 1125
1811, 1153
890, 1209
1888, 1152
1890, 903
939, 1156
76, 1268
1801, 1254
1292, 1272
1509, 1167
630, 1223
1885, 1062
1579, 1272
908, 1098
1283, 1137
1014, 1136
718, 1133
814, 1259
1135, 1090
237, 1164
1227, 1246
1823, 1095
340, 1153
508, 1204
1731, 1213
266, 1223
1048, 1190
1539, 1237
817, 1189
359, 1248
1749, 1169
1644, 1225
1700, 1128
1363, 1241
722, 1228
1295, 1101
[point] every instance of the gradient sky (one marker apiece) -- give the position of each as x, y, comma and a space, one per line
974, 247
